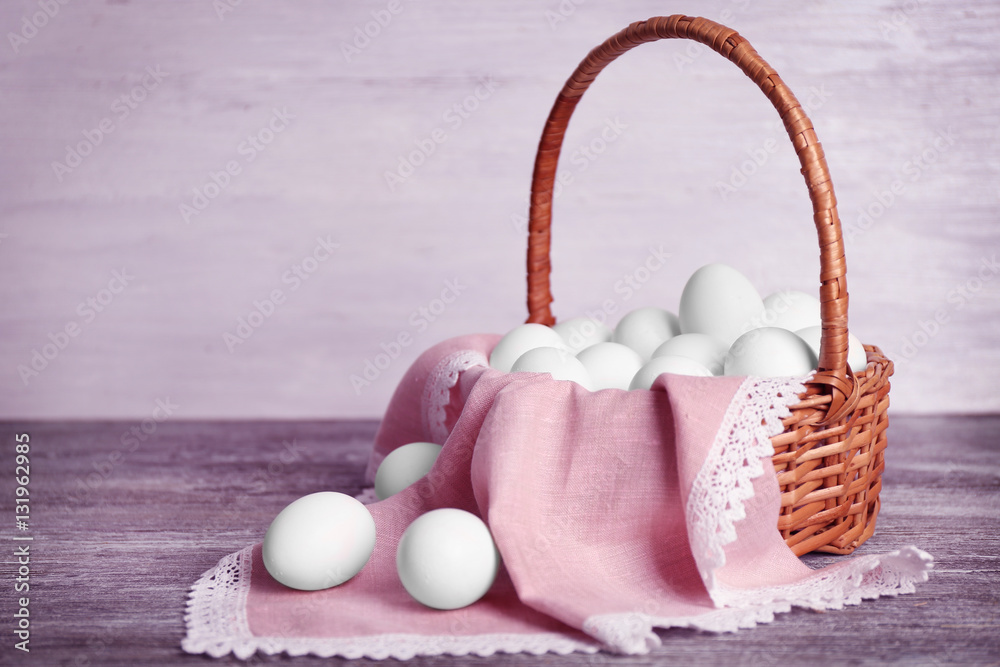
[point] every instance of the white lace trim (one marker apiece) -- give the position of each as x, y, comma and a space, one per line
406, 646
846, 583
862, 578
437, 390
216, 616
725, 480
217, 625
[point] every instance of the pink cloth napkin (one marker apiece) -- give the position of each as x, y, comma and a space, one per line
614, 512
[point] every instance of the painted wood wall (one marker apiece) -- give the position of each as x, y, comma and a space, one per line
169, 168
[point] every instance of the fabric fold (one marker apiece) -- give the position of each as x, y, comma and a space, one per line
615, 513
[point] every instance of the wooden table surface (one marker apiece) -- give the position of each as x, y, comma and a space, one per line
118, 541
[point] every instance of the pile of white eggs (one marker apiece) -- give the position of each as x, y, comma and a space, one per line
445, 559
723, 327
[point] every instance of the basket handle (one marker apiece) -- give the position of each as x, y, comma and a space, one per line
833, 375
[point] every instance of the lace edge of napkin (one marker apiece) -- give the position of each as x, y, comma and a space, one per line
736, 458
437, 390
863, 578
217, 624
216, 616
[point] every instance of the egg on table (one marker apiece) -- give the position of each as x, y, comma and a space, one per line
319, 541
446, 559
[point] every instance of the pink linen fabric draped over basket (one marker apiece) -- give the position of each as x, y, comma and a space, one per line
614, 512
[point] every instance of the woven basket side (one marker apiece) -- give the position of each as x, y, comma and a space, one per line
830, 474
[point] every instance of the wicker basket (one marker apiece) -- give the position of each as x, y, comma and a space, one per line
830, 457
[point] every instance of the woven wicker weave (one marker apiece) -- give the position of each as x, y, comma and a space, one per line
830, 457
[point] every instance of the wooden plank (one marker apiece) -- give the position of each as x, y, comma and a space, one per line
112, 561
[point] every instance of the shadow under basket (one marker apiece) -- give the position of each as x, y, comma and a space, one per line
830, 457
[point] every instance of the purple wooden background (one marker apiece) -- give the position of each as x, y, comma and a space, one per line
286, 118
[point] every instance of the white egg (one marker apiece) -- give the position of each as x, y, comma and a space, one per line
519, 340
670, 364
792, 310
558, 362
579, 333
645, 329
770, 352
446, 559
719, 301
857, 358
403, 466
707, 351
610, 365
319, 541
